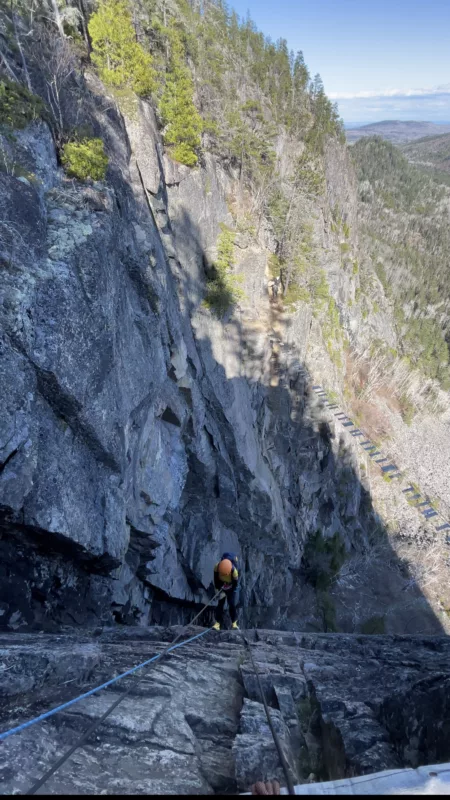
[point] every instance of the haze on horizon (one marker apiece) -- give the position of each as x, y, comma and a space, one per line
378, 60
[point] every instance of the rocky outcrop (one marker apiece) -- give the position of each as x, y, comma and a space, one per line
343, 706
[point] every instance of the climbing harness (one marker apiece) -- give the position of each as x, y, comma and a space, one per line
171, 646
282, 757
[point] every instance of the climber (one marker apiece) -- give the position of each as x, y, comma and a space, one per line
226, 578
276, 286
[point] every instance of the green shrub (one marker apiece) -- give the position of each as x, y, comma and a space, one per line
219, 296
319, 286
337, 215
246, 224
444, 378
275, 265
295, 294
18, 107
309, 173
85, 159
211, 126
223, 287
322, 559
332, 332
428, 348
183, 153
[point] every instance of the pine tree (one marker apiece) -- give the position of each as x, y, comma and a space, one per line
250, 145
183, 122
316, 88
301, 73
326, 117
234, 32
121, 61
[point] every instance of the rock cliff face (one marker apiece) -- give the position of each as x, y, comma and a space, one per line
342, 705
140, 436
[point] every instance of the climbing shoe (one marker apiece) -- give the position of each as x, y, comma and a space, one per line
235, 626
216, 626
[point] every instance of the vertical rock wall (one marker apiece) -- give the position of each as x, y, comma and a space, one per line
139, 435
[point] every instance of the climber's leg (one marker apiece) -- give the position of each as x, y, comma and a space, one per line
219, 610
232, 608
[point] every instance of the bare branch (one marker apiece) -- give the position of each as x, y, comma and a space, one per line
57, 18
19, 45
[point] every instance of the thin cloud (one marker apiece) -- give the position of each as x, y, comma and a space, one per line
392, 93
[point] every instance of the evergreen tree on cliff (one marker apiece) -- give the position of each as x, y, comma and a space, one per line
120, 59
179, 114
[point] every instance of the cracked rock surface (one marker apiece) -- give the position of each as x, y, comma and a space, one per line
342, 705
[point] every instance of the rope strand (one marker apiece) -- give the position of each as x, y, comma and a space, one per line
283, 760
93, 727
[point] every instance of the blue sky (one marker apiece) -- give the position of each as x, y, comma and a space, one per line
378, 59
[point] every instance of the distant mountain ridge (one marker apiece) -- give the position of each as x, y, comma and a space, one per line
397, 131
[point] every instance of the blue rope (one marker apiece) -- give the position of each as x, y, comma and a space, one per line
93, 691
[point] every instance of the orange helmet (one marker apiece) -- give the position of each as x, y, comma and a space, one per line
225, 568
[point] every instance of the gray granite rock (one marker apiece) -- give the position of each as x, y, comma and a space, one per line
140, 436
342, 706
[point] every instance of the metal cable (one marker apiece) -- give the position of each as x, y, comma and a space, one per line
283, 760
172, 646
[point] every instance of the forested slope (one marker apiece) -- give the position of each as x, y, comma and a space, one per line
404, 216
